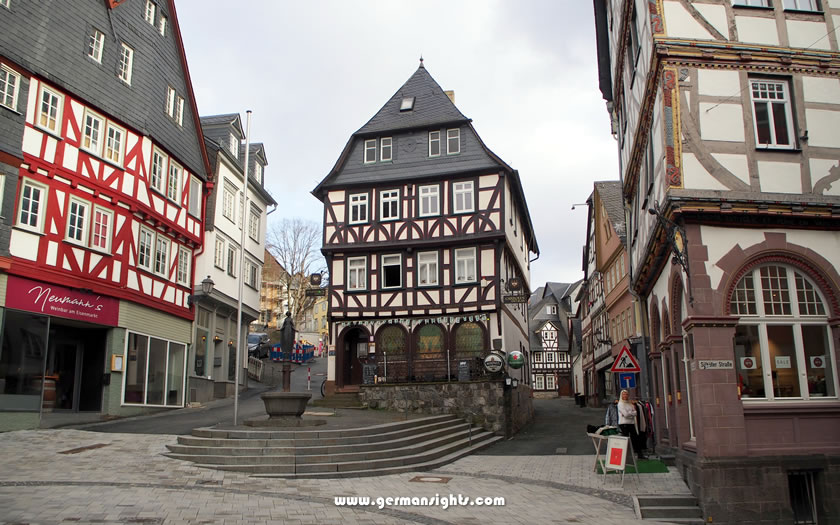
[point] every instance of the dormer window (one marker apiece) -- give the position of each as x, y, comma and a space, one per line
370, 151
233, 146
386, 148
407, 104
258, 172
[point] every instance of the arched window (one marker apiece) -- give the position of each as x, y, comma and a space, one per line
469, 340
430, 342
392, 341
782, 345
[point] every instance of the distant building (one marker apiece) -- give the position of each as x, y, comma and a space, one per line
273, 297
726, 116
550, 312
102, 176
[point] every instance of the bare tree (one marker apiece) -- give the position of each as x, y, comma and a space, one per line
295, 244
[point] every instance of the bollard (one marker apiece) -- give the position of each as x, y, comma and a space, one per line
309, 378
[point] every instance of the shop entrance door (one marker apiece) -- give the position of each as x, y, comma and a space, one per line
76, 357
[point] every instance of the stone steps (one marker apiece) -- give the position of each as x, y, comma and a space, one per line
409, 445
671, 508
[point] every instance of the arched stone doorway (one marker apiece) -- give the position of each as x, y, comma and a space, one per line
353, 355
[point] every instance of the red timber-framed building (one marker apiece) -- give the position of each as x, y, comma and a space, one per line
425, 230
104, 175
726, 115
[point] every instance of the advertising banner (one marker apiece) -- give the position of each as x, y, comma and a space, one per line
53, 299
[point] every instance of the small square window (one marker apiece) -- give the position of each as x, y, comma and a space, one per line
358, 208
370, 151
462, 194
407, 104
96, 42
385, 149
434, 143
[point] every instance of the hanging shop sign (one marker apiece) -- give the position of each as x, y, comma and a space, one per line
493, 363
450, 320
53, 299
516, 359
315, 292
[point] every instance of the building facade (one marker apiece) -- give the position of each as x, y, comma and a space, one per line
103, 175
550, 311
425, 231
726, 116
273, 297
235, 268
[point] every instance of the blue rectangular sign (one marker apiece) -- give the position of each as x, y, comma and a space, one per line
627, 380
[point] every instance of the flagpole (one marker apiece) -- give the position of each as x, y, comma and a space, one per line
244, 202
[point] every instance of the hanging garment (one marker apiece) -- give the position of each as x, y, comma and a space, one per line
611, 417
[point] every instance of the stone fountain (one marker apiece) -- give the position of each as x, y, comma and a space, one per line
285, 409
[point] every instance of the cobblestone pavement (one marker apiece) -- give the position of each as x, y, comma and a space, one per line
75, 476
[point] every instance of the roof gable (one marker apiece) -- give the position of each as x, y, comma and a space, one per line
609, 192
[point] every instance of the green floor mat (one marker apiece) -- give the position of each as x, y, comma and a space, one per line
646, 466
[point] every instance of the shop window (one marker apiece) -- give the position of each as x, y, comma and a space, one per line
154, 373
430, 342
22, 361
469, 340
392, 341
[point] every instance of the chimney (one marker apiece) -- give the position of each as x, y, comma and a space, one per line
451, 94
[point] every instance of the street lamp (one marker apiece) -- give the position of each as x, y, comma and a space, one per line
677, 240
206, 289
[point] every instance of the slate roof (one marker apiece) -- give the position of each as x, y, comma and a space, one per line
49, 40
433, 110
553, 293
431, 106
611, 198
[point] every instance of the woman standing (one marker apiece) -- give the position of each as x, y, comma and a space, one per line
627, 415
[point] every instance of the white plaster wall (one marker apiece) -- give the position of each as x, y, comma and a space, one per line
819, 89
833, 3
680, 23
820, 169
721, 122
696, 177
715, 15
718, 82
802, 33
736, 164
822, 126
719, 241
757, 30
24, 244
660, 289
780, 177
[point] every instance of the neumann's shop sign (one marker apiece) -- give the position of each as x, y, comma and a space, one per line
52, 299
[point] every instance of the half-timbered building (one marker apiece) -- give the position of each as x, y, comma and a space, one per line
726, 115
550, 311
102, 174
425, 231
232, 258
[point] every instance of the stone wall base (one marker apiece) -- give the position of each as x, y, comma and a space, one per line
486, 403
755, 490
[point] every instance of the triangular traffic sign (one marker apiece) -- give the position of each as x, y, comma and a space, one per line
625, 362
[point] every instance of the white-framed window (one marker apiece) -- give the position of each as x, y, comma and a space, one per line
126, 63
78, 212
357, 273
427, 269
231, 260
158, 169
162, 256
251, 274
429, 200
549, 382
258, 172
183, 272
389, 205
538, 357
49, 109
358, 208
391, 271
173, 182
162, 26
539, 382
551, 309
219, 255
149, 12
550, 357
386, 148
756, 3
782, 345
9, 87
195, 196
463, 197
772, 113
254, 225
96, 44
229, 203
170, 101
114, 143
179, 111
233, 145
92, 131
101, 228
370, 151
144, 249
6, 3
434, 143
33, 201
465, 265
453, 141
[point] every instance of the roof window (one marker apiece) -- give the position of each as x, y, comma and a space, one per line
407, 104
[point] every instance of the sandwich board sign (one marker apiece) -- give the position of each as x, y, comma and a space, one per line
616, 452
625, 362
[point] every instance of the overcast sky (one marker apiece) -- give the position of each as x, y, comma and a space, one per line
313, 72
